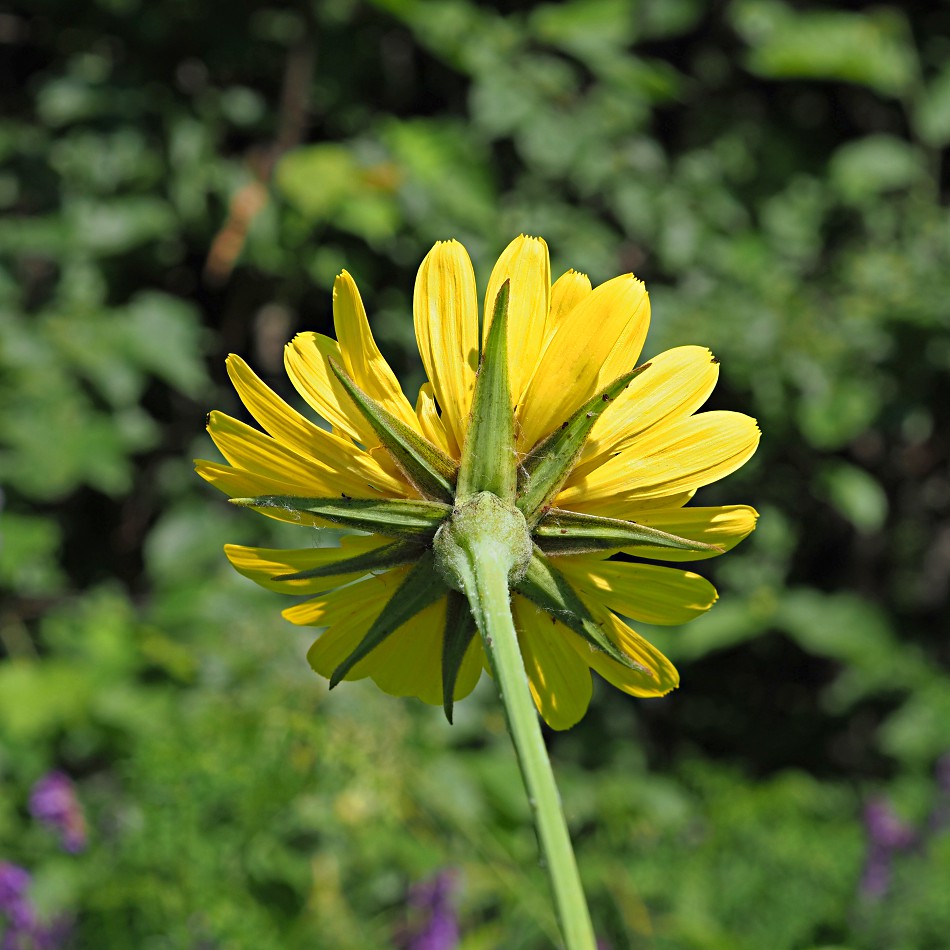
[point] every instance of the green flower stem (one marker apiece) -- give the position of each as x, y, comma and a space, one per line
483, 573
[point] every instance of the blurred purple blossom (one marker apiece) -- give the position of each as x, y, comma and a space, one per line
14, 904
432, 910
53, 801
887, 834
23, 929
885, 827
16, 911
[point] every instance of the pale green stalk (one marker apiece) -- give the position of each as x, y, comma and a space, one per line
481, 553
482, 549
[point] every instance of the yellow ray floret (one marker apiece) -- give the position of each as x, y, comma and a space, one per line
306, 359
445, 312
525, 265
558, 676
682, 456
568, 291
644, 592
597, 341
658, 676
674, 385
262, 565
361, 357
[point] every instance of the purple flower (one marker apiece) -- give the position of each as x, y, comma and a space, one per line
14, 882
887, 833
53, 801
24, 931
15, 906
885, 827
432, 907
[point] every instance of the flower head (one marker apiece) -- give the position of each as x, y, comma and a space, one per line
588, 454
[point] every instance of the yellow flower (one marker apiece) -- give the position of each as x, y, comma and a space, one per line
640, 451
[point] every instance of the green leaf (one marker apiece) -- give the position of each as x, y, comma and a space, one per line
932, 112
867, 167
570, 532
392, 555
421, 587
588, 29
545, 470
390, 517
318, 179
870, 48
857, 495
547, 587
327, 182
428, 468
488, 455
460, 629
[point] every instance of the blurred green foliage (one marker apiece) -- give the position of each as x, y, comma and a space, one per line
181, 181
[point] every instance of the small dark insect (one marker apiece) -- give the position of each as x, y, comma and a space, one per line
345, 496
715, 359
564, 424
563, 530
606, 397
589, 414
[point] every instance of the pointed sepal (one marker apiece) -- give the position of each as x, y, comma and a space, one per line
550, 590
460, 630
489, 451
379, 559
390, 517
421, 587
550, 462
561, 532
425, 465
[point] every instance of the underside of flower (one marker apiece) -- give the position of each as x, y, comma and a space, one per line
546, 448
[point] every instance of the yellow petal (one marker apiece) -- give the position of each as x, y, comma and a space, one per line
667, 459
305, 359
445, 312
526, 265
568, 291
337, 606
597, 341
661, 676
236, 483
409, 663
348, 614
429, 420
355, 468
630, 509
361, 357
557, 676
726, 526
261, 565
675, 385
255, 452
644, 592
